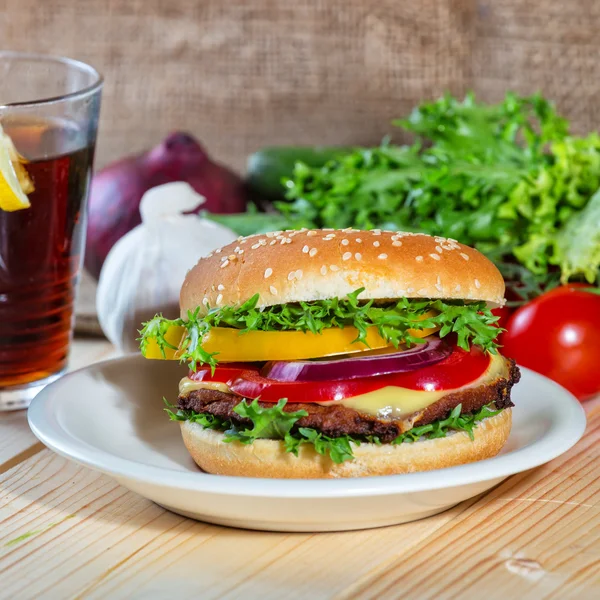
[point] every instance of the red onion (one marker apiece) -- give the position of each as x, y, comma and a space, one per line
355, 367
117, 189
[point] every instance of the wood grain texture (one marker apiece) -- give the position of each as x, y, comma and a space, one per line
15, 437
535, 536
16, 440
84, 536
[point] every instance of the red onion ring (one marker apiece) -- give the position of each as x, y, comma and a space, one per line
356, 367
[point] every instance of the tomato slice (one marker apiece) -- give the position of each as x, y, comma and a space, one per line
459, 369
223, 373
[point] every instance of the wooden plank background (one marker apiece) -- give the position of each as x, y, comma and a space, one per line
68, 532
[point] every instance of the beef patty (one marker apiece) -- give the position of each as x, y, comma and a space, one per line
337, 420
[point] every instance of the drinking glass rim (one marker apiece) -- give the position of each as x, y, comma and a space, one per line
71, 62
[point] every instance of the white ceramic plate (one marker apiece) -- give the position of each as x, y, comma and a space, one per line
110, 417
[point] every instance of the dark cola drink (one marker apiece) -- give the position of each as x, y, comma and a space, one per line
41, 249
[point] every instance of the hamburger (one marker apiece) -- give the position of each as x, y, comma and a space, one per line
338, 353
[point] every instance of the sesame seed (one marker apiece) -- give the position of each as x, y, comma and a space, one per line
345, 242
273, 290
376, 244
435, 256
240, 238
282, 241
272, 242
218, 250
358, 240
271, 234
232, 257
255, 246
334, 268
465, 256
324, 270
213, 288
477, 284
224, 263
288, 241
291, 275
330, 236
376, 232
419, 258
396, 243
268, 272
299, 274
220, 287
347, 256
305, 249
243, 241
382, 256
438, 249
438, 287
205, 301
238, 250
262, 242
438, 280
219, 298
358, 256
312, 252
311, 233
422, 292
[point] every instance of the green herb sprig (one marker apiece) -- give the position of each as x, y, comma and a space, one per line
489, 175
275, 423
473, 323
454, 422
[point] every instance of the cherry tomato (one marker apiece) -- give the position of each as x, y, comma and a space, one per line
459, 369
558, 335
504, 313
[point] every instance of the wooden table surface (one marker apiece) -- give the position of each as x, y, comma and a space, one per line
68, 532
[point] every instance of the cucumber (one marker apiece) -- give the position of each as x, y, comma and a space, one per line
269, 166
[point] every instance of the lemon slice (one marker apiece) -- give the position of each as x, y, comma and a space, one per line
14, 180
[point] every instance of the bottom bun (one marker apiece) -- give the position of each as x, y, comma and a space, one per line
268, 458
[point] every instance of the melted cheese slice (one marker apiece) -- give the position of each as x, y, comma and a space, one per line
187, 385
388, 402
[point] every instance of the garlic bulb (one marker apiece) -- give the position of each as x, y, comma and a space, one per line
143, 272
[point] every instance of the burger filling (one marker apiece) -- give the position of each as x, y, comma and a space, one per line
335, 373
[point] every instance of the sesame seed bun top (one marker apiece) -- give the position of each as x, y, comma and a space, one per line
306, 265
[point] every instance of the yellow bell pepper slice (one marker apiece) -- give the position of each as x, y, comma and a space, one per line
256, 346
